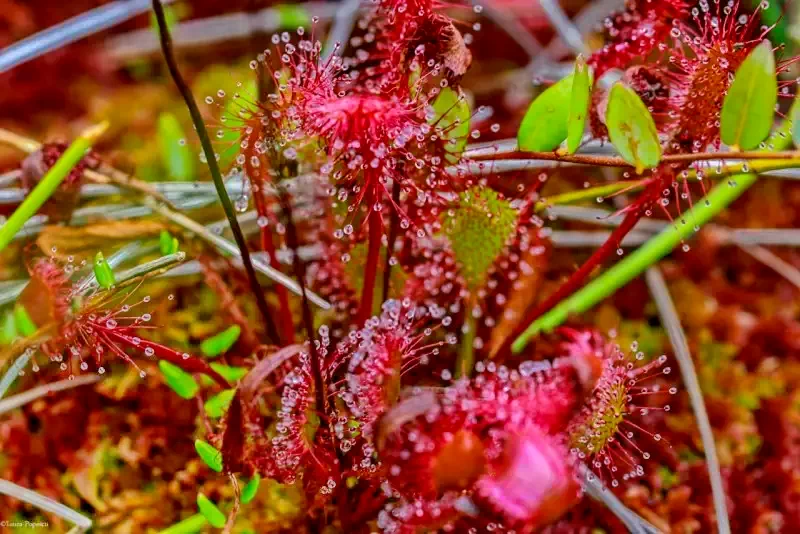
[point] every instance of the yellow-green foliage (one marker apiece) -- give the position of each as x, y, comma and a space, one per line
478, 230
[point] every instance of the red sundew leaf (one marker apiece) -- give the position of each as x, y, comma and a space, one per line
187, 362
403, 412
264, 368
233, 437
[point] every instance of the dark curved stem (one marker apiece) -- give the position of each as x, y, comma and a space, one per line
219, 184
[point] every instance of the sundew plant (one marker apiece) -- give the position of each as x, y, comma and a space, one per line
399, 266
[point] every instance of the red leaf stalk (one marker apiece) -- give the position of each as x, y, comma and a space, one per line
375, 227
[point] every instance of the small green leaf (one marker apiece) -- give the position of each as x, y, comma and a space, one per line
579, 101
8, 330
231, 374
631, 128
190, 525
168, 243
210, 511
216, 345
210, 455
250, 489
23, 321
749, 107
452, 116
794, 116
215, 406
544, 126
292, 16
103, 272
175, 153
179, 380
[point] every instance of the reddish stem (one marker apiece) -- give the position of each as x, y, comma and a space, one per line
578, 278
258, 177
393, 224
285, 322
375, 225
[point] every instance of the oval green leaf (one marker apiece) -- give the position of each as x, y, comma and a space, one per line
167, 243
452, 116
179, 380
250, 489
631, 128
215, 406
580, 99
231, 374
103, 272
749, 107
209, 454
219, 343
544, 126
210, 511
175, 153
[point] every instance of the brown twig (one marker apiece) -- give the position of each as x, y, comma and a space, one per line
616, 161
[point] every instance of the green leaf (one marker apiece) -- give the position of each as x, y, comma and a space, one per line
544, 126
210, 455
167, 243
179, 380
175, 153
216, 345
250, 489
292, 16
580, 98
190, 525
452, 116
749, 107
215, 406
231, 374
631, 128
103, 272
23, 321
794, 120
8, 330
210, 511
478, 230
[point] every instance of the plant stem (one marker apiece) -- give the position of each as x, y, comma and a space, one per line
393, 224
616, 161
208, 150
720, 197
375, 227
50, 182
466, 352
635, 264
285, 319
606, 190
